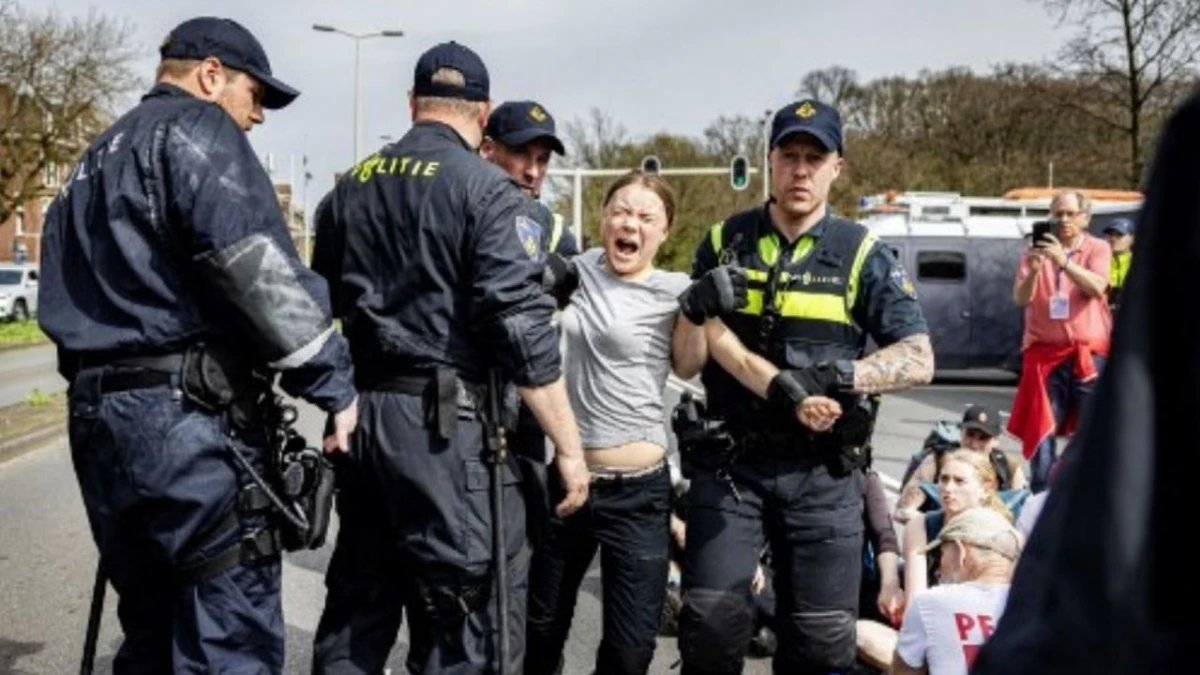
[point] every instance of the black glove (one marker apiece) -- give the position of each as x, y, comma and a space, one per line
819, 380
722, 290
560, 278
785, 393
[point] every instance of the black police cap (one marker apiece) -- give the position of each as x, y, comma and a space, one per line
810, 117
453, 56
234, 46
516, 123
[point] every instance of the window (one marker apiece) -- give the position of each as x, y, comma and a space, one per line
941, 266
50, 179
1013, 211
20, 216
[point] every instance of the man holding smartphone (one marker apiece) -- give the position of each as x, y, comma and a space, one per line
1061, 284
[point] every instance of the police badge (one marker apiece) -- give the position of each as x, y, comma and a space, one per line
529, 232
902, 281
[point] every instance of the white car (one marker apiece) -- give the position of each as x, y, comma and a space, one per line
18, 291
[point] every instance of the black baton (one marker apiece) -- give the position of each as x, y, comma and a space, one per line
93, 625
498, 444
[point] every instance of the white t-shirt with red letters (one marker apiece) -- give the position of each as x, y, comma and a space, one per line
945, 626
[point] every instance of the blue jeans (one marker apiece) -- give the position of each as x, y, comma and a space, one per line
159, 482
1065, 392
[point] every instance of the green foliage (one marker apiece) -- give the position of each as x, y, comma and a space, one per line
19, 333
37, 398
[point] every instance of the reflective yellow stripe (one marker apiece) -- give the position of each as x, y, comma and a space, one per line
856, 269
714, 237
768, 249
801, 305
556, 232
802, 249
816, 306
757, 275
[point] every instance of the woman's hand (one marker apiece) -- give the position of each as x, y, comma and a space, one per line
818, 412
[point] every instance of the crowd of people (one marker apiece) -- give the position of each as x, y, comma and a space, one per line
471, 324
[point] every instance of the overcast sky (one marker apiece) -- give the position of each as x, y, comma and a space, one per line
653, 65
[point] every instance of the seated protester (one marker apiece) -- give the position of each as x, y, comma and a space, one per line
944, 627
881, 600
967, 480
980, 432
622, 334
1032, 508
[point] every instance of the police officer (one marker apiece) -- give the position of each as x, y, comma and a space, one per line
818, 286
431, 253
1119, 234
167, 275
519, 138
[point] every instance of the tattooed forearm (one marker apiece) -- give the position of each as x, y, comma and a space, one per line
904, 364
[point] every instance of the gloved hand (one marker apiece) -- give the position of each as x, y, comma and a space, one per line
722, 290
560, 278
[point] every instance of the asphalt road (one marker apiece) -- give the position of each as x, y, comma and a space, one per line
47, 557
23, 370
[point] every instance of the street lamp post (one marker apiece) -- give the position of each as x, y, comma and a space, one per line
358, 38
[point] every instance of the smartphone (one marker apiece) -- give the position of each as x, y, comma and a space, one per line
1040, 231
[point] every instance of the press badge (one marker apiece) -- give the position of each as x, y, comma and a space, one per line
1060, 307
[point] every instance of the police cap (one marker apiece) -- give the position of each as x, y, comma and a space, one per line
457, 57
516, 123
234, 46
811, 117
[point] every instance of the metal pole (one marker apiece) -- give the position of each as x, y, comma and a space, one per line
766, 157
357, 101
577, 205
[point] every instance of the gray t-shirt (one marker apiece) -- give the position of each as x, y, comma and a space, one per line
617, 352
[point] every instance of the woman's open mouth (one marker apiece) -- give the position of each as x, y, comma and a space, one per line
627, 246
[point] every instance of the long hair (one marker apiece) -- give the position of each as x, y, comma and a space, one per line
986, 472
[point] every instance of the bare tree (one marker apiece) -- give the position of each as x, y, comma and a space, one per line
60, 81
595, 141
1130, 57
834, 85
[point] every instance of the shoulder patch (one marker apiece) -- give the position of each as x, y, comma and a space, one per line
902, 281
529, 232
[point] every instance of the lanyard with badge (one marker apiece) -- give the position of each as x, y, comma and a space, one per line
1060, 302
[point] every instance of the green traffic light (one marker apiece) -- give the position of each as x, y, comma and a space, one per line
739, 173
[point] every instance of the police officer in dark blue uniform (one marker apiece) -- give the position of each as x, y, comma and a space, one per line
167, 277
519, 138
432, 257
804, 289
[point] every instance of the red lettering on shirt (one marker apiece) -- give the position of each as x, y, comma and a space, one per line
964, 623
969, 654
985, 626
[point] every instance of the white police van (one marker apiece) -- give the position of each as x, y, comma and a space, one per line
962, 254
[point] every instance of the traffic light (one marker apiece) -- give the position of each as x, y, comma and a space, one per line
650, 164
739, 173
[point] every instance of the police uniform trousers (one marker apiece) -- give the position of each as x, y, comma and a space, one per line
159, 485
811, 515
415, 538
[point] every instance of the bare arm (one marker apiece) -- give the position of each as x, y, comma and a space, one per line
1024, 285
751, 370
911, 495
1092, 284
553, 412
689, 349
901, 365
915, 575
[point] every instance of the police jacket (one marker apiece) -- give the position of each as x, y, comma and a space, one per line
814, 300
432, 255
168, 233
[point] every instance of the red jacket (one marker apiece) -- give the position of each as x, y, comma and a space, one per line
1032, 418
